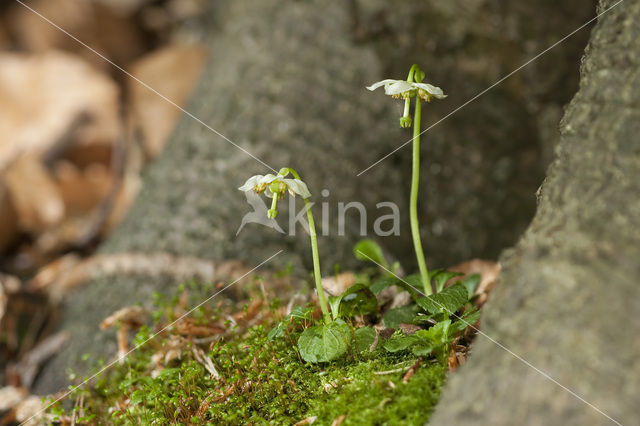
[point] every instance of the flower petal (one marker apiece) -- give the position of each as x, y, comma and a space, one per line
397, 87
434, 91
298, 186
267, 179
250, 183
386, 82
268, 193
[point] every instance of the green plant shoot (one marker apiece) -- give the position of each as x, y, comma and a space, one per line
274, 187
413, 87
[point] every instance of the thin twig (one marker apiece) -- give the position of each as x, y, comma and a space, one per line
412, 370
396, 370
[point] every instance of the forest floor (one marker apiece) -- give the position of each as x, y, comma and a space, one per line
220, 366
200, 359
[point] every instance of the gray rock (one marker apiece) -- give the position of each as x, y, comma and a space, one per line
568, 299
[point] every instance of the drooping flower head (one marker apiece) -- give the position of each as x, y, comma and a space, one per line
275, 186
403, 89
407, 89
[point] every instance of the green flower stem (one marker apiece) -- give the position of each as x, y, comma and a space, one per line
407, 105
273, 211
412, 70
413, 203
314, 252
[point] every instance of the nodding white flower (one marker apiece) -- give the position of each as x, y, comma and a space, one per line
404, 89
276, 185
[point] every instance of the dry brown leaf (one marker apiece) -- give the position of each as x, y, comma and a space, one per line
489, 272
335, 285
452, 361
8, 285
190, 327
11, 396
48, 99
4, 38
307, 421
31, 411
4, 298
384, 332
408, 328
252, 310
36, 34
8, 219
173, 71
57, 239
105, 29
34, 194
82, 190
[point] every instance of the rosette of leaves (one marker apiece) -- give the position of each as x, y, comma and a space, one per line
329, 341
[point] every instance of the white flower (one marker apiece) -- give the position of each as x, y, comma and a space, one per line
260, 183
398, 88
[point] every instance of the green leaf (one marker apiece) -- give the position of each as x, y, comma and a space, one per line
441, 276
413, 282
365, 336
371, 251
448, 300
423, 319
324, 343
399, 342
423, 348
420, 343
471, 283
393, 317
136, 397
278, 330
334, 303
438, 334
466, 320
358, 300
429, 340
379, 285
297, 316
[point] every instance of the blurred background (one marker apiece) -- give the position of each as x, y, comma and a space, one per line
75, 134
76, 131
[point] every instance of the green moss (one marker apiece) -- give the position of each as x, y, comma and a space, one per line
261, 382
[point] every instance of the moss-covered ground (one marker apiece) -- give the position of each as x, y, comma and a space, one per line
261, 381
